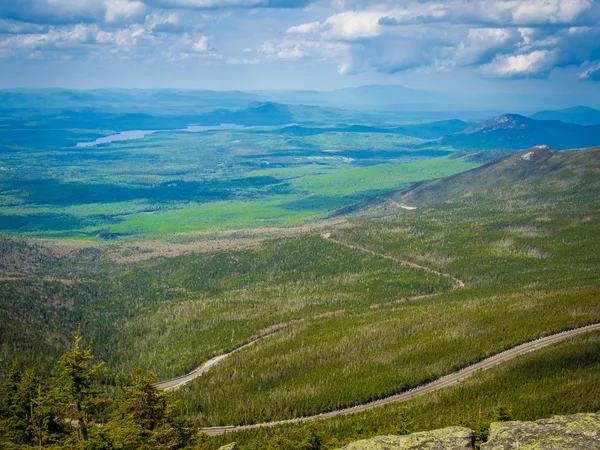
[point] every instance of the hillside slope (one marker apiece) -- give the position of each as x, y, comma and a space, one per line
541, 167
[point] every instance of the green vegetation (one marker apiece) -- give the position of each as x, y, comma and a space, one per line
172, 183
529, 269
212, 301
71, 412
561, 379
352, 309
527, 274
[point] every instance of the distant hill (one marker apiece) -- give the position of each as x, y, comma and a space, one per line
258, 114
399, 98
432, 130
122, 99
519, 132
580, 115
539, 168
361, 97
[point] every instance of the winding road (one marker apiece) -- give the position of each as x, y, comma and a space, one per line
458, 284
446, 381
174, 383
440, 383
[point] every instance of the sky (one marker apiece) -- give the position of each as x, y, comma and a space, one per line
461, 45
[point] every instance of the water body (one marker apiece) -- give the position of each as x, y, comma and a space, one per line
140, 134
124, 136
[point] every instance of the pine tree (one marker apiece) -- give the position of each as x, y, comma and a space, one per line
76, 380
144, 417
14, 408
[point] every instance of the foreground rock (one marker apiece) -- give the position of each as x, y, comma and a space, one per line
577, 432
232, 446
451, 438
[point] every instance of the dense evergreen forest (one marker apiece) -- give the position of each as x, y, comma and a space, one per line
73, 411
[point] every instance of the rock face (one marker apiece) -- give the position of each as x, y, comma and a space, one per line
232, 446
451, 438
577, 432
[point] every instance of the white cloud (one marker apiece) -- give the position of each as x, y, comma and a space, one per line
212, 4
304, 28
536, 63
118, 10
591, 72
544, 11
351, 25
201, 45
482, 44
505, 38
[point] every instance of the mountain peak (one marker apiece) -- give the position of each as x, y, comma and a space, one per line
503, 122
535, 153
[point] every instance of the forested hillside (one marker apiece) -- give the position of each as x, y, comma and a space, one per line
358, 309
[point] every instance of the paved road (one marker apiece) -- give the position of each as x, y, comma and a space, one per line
440, 383
174, 383
180, 381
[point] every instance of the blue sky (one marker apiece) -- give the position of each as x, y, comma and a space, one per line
474, 45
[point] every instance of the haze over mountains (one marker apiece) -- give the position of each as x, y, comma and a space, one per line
370, 97
59, 109
581, 115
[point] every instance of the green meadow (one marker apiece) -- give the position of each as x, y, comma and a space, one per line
183, 182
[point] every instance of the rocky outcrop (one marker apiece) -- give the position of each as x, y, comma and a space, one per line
451, 438
577, 432
232, 446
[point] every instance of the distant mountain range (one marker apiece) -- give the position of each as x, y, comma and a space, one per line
122, 110
362, 97
581, 115
513, 131
430, 130
395, 98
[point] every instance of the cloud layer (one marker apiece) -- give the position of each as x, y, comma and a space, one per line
499, 38
496, 38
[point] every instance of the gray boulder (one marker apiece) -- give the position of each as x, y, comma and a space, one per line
232, 446
576, 432
451, 438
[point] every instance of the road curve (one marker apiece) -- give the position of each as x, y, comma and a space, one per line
440, 383
458, 284
176, 382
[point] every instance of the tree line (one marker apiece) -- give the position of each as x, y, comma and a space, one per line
73, 411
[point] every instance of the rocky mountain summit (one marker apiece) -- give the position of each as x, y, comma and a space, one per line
580, 431
455, 438
576, 432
